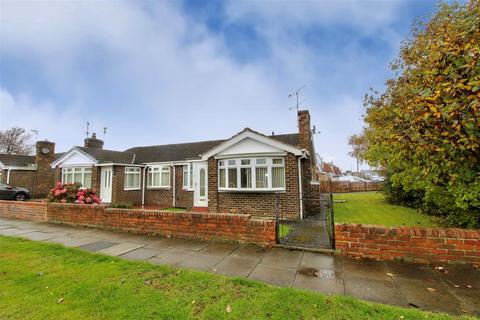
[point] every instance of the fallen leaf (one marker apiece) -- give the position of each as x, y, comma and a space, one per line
465, 311
432, 289
469, 286
40, 273
456, 286
147, 282
178, 271
229, 308
193, 302
60, 300
389, 274
214, 270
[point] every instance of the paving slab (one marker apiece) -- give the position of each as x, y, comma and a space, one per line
62, 239
250, 251
321, 261
38, 236
171, 257
98, 245
282, 258
279, 276
376, 290
78, 242
364, 268
14, 231
410, 270
219, 249
440, 299
141, 254
162, 243
189, 245
199, 261
327, 281
120, 248
236, 266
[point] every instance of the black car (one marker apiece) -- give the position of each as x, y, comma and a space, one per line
7, 192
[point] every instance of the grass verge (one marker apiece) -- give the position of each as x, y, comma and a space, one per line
372, 208
49, 281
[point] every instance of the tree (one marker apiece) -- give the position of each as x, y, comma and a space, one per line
358, 144
15, 141
425, 127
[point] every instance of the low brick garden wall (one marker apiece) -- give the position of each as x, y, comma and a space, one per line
27, 210
423, 245
195, 225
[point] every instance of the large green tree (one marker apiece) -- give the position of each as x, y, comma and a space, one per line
425, 127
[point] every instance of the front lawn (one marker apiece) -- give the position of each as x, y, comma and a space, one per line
371, 208
49, 281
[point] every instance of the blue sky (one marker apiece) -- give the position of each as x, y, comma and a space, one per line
156, 72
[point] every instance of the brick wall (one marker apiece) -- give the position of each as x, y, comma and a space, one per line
260, 204
22, 178
203, 226
119, 194
183, 198
421, 245
34, 211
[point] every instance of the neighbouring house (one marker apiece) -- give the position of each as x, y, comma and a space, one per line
249, 173
30, 171
328, 171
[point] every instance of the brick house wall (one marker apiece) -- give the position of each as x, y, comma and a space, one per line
21, 178
256, 203
183, 198
44, 175
162, 197
119, 194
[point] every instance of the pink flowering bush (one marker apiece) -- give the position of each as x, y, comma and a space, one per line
73, 193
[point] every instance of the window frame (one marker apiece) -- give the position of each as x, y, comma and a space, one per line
241, 162
158, 169
128, 172
66, 171
187, 170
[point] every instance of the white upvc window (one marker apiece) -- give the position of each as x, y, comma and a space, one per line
82, 175
251, 174
188, 176
158, 177
132, 178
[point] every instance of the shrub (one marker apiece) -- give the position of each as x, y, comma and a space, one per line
73, 193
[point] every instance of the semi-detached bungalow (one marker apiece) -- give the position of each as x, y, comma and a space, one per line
248, 173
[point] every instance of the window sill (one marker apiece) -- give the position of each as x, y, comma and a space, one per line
187, 189
130, 189
158, 188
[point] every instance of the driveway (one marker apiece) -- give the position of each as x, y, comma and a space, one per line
455, 289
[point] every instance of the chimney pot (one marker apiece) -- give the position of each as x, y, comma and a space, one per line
93, 142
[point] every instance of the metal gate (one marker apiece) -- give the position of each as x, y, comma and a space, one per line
315, 231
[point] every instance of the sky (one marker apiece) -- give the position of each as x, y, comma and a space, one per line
159, 72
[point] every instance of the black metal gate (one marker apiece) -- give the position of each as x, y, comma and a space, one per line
315, 231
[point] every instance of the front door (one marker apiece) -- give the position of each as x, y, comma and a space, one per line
200, 193
106, 184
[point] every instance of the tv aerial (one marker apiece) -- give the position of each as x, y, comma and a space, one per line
296, 93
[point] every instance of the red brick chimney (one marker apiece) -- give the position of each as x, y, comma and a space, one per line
45, 176
304, 130
93, 142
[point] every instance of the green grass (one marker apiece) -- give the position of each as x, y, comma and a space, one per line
175, 209
283, 229
371, 208
49, 281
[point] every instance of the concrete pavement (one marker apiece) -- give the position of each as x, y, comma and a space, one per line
456, 291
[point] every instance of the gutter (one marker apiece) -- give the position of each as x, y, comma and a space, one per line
143, 186
300, 187
174, 202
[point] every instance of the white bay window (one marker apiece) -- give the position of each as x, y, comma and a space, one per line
82, 175
251, 174
158, 177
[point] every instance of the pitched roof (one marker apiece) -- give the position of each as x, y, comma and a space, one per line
191, 151
109, 156
17, 160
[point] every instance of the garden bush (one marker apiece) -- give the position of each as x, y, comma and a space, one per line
73, 193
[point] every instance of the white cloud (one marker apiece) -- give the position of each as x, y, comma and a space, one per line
152, 75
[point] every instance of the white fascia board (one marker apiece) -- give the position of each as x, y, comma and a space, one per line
255, 136
110, 164
19, 168
71, 152
251, 155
